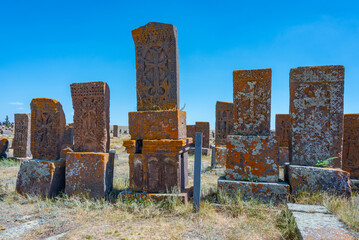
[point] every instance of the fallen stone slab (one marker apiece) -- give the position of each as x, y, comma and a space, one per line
316, 222
20, 230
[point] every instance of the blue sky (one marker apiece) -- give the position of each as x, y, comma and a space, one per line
47, 45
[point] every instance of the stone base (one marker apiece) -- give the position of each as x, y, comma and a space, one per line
89, 174
43, 177
205, 151
354, 183
314, 179
262, 191
184, 196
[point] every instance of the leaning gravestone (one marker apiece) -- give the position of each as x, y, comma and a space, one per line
316, 134
21, 143
45, 173
252, 160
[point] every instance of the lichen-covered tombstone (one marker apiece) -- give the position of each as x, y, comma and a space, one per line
22, 141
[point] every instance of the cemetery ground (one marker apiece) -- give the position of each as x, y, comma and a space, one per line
83, 218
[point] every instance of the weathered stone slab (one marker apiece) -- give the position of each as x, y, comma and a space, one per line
314, 179
224, 122
283, 156
156, 125
91, 103
316, 110
351, 145
262, 191
203, 127
252, 101
43, 177
115, 130
282, 126
354, 183
252, 158
47, 128
221, 156
156, 66
4, 148
89, 174
21, 143
18, 231
318, 223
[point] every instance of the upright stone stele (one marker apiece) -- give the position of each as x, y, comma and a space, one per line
45, 173
252, 160
282, 126
316, 134
21, 142
159, 146
202, 127
115, 131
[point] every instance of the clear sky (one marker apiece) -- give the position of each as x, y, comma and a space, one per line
47, 45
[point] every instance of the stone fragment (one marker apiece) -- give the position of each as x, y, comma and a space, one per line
252, 101
156, 125
22, 141
262, 191
316, 111
4, 148
282, 126
156, 66
224, 122
47, 128
351, 145
65, 151
89, 174
43, 177
314, 179
354, 183
115, 130
91, 103
252, 158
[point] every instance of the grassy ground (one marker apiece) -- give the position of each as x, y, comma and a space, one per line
81, 218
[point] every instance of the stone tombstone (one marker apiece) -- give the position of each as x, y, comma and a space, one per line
203, 127
316, 112
21, 143
252, 102
91, 103
282, 126
156, 66
47, 128
351, 145
224, 122
115, 130
69, 134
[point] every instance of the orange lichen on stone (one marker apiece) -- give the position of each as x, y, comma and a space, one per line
221, 156
156, 125
89, 174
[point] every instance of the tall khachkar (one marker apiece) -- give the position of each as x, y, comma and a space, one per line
21, 143
45, 173
252, 161
159, 146
89, 169
316, 133
91, 103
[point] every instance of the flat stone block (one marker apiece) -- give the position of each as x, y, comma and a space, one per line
252, 158
307, 208
43, 177
262, 191
221, 156
313, 179
354, 183
156, 125
89, 173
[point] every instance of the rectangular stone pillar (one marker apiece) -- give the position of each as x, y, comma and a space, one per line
351, 145
115, 131
316, 112
203, 127
224, 122
91, 103
21, 142
282, 126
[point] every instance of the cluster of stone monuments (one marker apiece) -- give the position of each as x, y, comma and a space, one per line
76, 158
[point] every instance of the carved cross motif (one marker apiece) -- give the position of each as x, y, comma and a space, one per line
251, 97
45, 122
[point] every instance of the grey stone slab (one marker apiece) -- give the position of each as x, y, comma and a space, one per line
197, 173
20, 230
307, 208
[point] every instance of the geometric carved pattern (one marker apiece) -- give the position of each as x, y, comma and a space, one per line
282, 125
21, 143
156, 66
316, 112
47, 128
91, 103
224, 122
252, 101
351, 145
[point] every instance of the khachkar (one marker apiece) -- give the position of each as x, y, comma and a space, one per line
115, 131
200, 127
159, 146
351, 148
89, 169
45, 173
224, 127
316, 133
21, 143
282, 125
252, 160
